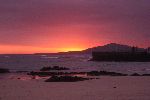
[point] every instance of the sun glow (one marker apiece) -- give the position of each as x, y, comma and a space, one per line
71, 49
16, 49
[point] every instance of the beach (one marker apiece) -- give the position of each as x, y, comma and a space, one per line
104, 88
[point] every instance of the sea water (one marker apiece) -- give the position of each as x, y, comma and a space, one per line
76, 62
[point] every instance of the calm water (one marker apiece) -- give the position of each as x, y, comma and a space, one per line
74, 62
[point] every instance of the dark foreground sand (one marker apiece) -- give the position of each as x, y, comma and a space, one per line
105, 88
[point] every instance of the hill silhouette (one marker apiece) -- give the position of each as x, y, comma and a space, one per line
112, 47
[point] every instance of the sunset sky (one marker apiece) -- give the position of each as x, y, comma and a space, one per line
29, 26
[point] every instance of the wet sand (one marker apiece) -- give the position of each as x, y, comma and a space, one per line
105, 88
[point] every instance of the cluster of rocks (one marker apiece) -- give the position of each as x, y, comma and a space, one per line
61, 76
91, 73
69, 76
43, 73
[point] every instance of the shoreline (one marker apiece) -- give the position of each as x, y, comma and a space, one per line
31, 75
93, 85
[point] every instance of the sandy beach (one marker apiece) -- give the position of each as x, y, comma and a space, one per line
104, 88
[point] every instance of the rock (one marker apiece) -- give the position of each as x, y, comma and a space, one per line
65, 79
105, 73
46, 73
135, 74
3, 70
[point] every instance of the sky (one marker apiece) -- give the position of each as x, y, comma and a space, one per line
29, 26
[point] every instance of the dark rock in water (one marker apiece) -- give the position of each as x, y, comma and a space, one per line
104, 73
135, 74
3, 70
45, 73
146, 75
65, 79
92, 73
53, 68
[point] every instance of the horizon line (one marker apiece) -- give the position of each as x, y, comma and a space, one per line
67, 51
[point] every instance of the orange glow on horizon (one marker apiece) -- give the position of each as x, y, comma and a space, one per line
71, 49
61, 38
17, 49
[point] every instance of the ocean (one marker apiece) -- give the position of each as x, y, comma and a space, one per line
76, 62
